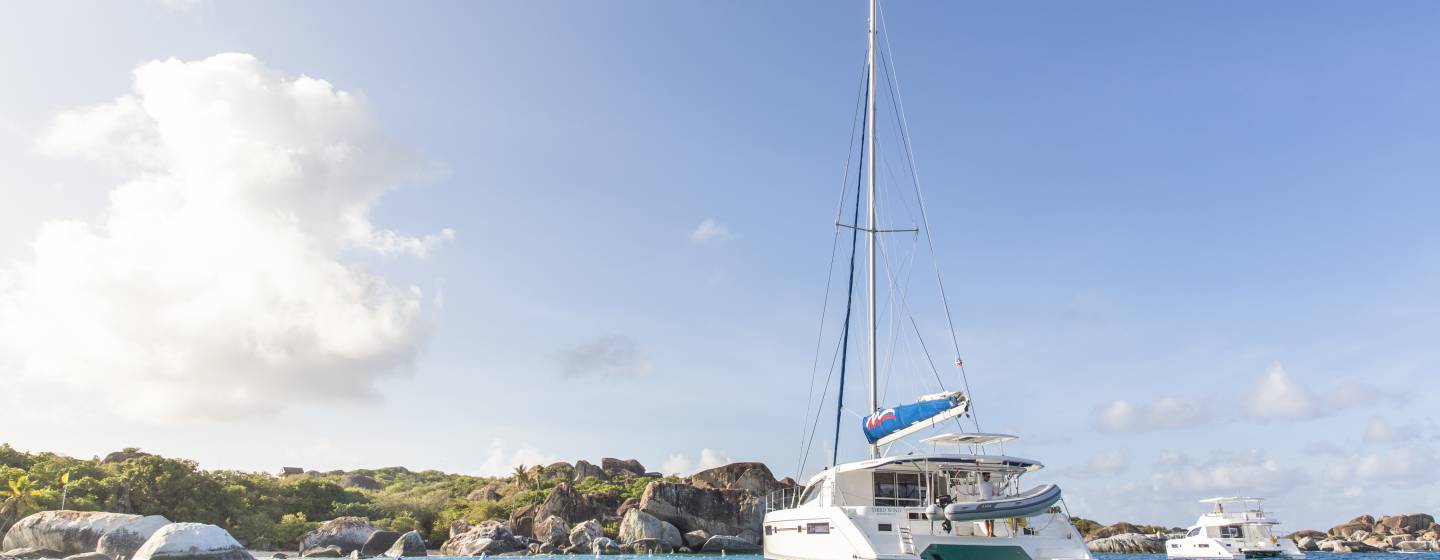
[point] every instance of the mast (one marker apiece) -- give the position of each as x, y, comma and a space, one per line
871, 225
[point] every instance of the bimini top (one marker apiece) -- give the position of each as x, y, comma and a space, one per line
1230, 499
979, 461
969, 439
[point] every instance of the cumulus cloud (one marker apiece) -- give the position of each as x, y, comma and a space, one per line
216, 282
1277, 396
681, 464
1224, 472
710, 230
502, 459
1164, 414
614, 356
1406, 465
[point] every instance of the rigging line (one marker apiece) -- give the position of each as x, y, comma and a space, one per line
849, 299
899, 106
815, 424
897, 306
830, 270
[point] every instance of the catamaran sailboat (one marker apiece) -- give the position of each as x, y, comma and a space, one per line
949, 498
1235, 529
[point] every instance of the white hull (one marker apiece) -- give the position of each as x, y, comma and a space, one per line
877, 533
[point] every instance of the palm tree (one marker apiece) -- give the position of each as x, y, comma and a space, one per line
19, 498
522, 476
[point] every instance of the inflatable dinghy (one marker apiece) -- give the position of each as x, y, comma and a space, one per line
1033, 501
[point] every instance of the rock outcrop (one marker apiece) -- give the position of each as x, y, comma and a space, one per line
490, 537
74, 532
347, 533
569, 504
409, 545
1344, 530
583, 535
640, 526
378, 543
753, 477
361, 481
1406, 524
695, 540
1120, 528
553, 530
583, 470
192, 541
1130, 543
720, 512
122, 543
604, 545
614, 466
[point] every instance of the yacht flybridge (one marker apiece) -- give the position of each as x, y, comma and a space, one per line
1235, 528
947, 497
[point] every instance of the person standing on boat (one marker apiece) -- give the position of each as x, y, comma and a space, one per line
987, 492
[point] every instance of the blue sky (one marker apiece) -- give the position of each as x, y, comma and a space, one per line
1159, 205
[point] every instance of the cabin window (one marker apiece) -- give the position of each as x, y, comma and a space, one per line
817, 528
899, 489
1193, 532
1230, 532
886, 527
811, 493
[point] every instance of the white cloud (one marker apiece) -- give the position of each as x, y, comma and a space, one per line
1242, 471
1275, 395
710, 230
680, 464
215, 283
1408, 465
1107, 462
502, 460
1164, 414
613, 356
1377, 430
677, 464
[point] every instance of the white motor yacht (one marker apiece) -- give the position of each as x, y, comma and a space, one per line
1235, 528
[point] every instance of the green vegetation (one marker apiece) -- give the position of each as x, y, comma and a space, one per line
271, 512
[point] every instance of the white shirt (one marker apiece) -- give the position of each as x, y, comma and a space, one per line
987, 490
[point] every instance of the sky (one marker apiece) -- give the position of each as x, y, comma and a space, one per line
1189, 248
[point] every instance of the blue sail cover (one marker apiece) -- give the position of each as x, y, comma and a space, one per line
891, 420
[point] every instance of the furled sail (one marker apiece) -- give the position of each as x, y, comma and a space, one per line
891, 424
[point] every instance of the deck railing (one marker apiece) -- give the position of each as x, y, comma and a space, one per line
784, 498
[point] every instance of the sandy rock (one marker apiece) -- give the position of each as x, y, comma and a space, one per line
1307, 544
409, 545
1415, 546
74, 532
327, 551
192, 541
378, 543
348, 533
